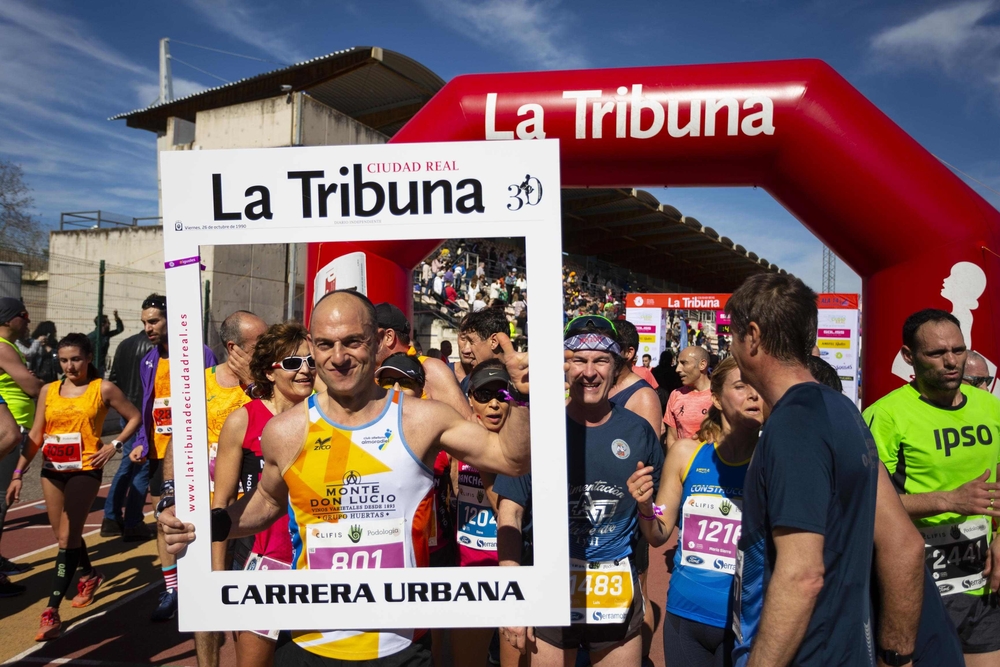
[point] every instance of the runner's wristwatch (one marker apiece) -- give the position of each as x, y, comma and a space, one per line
118, 445
894, 659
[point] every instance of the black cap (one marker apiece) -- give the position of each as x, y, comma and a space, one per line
402, 363
486, 375
10, 308
389, 316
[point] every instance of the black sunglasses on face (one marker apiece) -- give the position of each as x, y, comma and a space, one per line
485, 395
294, 363
978, 380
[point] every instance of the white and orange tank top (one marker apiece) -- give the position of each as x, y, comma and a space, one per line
72, 428
358, 498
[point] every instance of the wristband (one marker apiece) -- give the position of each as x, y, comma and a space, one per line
645, 517
18, 472
222, 523
165, 502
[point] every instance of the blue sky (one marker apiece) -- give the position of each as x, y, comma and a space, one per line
933, 67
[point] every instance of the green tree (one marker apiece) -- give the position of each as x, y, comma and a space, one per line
18, 229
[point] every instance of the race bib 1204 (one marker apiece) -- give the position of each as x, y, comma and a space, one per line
477, 525
600, 592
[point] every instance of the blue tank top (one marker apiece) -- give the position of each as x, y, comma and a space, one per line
709, 528
621, 398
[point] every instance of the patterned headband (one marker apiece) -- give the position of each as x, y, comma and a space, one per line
592, 341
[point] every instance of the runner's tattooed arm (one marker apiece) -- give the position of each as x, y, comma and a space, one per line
899, 570
791, 597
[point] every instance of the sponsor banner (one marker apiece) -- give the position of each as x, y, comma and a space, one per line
649, 325
678, 301
837, 301
838, 338
361, 575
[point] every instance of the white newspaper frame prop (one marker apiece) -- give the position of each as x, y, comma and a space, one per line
512, 177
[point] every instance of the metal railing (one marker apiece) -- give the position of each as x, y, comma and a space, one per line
101, 220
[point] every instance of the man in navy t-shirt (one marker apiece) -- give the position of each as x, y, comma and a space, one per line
604, 446
802, 589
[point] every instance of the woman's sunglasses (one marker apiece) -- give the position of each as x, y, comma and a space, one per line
293, 364
485, 395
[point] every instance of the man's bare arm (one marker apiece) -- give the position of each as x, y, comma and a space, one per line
972, 498
256, 511
441, 385
899, 569
11, 364
791, 597
646, 404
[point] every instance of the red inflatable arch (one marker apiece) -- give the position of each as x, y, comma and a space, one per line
917, 235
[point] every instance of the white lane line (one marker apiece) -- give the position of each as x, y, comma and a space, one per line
19, 508
86, 525
125, 599
56, 545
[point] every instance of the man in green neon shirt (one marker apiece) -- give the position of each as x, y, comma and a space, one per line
940, 440
18, 388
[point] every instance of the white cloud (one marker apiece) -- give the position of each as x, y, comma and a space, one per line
955, 39
67, 31
236, 20
58, 85
533, 31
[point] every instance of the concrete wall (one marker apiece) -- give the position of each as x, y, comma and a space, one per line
133, 269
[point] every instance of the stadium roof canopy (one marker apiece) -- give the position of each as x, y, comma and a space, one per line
380, 88
632, 229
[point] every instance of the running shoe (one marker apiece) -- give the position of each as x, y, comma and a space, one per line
86, 588
166, 607
9, 567
112, 527
9, 589
140, 532
51, 625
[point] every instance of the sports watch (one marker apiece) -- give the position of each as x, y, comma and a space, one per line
118, 445
893, 658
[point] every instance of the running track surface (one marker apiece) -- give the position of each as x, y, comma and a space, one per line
115, 630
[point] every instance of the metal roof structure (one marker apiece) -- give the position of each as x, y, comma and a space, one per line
632, 229
382, 89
